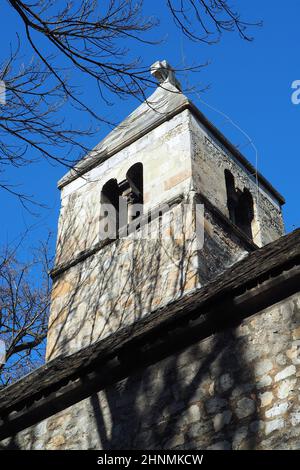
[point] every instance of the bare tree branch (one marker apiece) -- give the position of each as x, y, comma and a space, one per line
24, 307
94, 39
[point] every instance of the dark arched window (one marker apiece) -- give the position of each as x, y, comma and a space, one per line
244, 212
110, 193
135, 193
134, 177
122, 203
231, 195
240, 205
110, 208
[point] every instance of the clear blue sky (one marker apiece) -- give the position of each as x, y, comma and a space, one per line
250, 82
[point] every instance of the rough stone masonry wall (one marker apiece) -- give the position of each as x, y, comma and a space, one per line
221, 249
238, 389
131, 277
127, 278
165, 155
210, 159
124, 281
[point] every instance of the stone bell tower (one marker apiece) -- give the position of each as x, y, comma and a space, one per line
186, 205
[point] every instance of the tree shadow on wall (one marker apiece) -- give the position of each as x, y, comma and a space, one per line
202, 397
116, 285
196, 396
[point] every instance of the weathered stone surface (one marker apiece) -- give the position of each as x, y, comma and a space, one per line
281, 359
295, 418
215, 404
239, 435
257, 426
264, 382
263, 367
277, 410
226, 382
287, 372
153, 409
175, 441
192, 414
56, 442
266, 398
296, 333
285, 388
210, 160
211, 395
242, 390
274, 425
221, 420
102, 287
245, 407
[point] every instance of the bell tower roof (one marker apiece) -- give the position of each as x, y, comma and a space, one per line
165, 102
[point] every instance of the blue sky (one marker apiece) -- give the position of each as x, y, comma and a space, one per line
250, 82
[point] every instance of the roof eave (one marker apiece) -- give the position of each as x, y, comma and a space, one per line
91, 161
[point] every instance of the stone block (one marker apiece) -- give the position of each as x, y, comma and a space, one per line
176, 179
263, 382
263, 367
226, 382
276, 410
274, 425
221, 420
245, 407
287, 372
285, 388
214, 405
296, 333
266, 399
295, 418
239, 435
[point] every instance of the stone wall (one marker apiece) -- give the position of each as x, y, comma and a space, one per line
238, 389
222, 246
133, 275
124, 281
165, 155
130, 277
107, 287
210, 159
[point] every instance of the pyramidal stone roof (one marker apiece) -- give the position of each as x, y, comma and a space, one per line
166, 102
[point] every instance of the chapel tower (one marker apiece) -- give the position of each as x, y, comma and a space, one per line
186, 205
